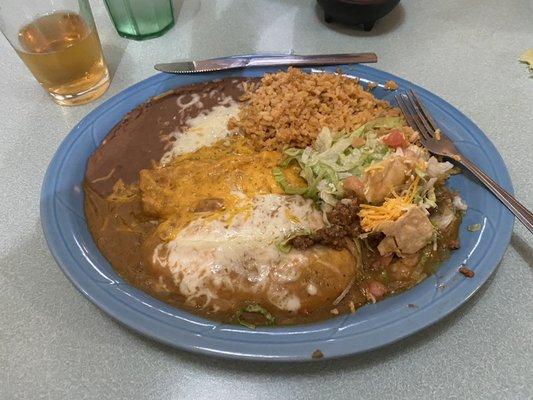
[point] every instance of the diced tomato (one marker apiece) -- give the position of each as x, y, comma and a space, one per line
395, 138
377, 289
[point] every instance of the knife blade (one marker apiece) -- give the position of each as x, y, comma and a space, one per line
236, 62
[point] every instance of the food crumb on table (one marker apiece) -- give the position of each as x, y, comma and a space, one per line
527, 58
317, 354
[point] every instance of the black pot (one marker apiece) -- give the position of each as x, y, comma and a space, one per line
363, 13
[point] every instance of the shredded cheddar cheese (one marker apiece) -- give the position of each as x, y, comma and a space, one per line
391, 209
374, 167
411, 192
229, 170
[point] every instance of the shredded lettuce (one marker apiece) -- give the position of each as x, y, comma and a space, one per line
436, 169
425, 195
284, 246
281, 179
332, 158
358, 254
256, 309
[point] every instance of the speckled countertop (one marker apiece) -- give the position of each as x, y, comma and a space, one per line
54, 344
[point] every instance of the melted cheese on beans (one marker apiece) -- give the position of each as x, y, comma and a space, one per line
203, 130
224, 257
209, 258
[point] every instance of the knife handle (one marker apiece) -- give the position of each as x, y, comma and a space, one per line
315, 60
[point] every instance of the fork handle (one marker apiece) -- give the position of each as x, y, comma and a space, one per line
522, 213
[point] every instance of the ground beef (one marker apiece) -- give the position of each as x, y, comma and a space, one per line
332, 236
344, 223
302, 242
345, 214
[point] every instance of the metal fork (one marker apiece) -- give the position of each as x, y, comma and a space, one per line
436, 142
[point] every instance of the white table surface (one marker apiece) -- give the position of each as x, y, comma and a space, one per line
54, 344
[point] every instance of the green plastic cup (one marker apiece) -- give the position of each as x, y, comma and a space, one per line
141, 19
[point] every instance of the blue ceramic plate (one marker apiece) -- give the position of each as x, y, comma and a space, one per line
372, 326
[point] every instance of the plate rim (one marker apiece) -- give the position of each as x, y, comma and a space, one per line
102, 299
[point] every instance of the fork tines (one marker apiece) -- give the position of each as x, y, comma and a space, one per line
416, 114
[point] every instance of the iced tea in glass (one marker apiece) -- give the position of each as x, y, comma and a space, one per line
59, 44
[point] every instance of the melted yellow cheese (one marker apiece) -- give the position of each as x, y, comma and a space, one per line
229, 171
227, 254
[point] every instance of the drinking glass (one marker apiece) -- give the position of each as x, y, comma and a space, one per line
141, 19
58, 42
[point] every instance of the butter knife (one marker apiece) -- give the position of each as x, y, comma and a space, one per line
236, 62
